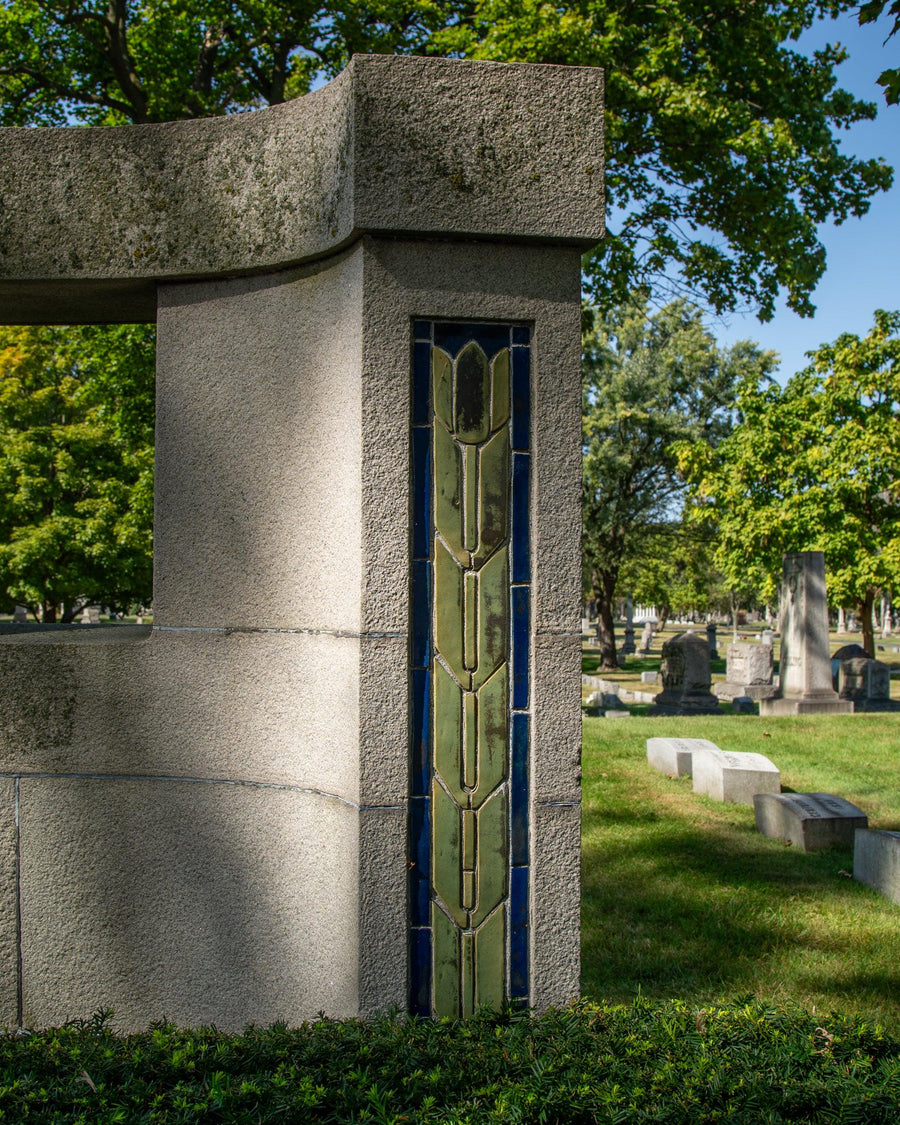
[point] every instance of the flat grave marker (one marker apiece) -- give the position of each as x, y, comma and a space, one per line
674, 756
811, 821
876, 861
734, 777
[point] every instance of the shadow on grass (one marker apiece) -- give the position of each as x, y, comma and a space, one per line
672, 909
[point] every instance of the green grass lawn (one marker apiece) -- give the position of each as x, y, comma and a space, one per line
683, 898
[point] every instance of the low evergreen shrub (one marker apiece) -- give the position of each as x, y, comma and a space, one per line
644, 1062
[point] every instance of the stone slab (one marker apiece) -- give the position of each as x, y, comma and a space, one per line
673, 756
616, 713
188, 901
827, 705
876, 861
734, 777
384, 147
751, 691
811, 821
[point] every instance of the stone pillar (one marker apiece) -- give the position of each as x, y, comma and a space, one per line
805, 684
841, 621
341, 771
711, 641
629, 645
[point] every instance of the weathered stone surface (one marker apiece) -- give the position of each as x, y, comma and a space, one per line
744, 705
811, 821
734, 777
673, 756
685, 676
866, 683
876, 861
384, 147
805, 685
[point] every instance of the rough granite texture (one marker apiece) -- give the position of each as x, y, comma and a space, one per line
556, 891
193, 902
393, 145
876, 861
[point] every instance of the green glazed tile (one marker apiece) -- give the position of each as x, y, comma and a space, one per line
448, 491
470, 755
490, 961
467, 989
493, 857
468, 838
447, 965
442, 386
493, 616
470, 527
493, 488
500, 382
448, 731
446, 853
448, 612
472, 397
468, 891
470, 620
493, 735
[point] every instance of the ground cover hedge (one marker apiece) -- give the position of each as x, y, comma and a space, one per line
644, 1062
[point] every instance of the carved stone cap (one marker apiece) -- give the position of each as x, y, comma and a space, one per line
92, 218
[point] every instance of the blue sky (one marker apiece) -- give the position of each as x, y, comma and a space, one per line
863, 263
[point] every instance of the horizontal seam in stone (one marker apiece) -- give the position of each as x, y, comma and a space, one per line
225, 630
558, 804
200, 781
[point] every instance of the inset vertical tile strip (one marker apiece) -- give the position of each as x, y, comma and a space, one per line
470, 609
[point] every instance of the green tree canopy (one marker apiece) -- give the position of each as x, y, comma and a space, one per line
650, 380
76, 467
721, 155
812, 466
868, 13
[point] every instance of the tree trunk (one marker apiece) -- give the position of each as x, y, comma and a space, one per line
48, 613
604, 586
664, 612
865, 608
734, 615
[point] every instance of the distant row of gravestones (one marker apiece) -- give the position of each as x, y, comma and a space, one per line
810, 821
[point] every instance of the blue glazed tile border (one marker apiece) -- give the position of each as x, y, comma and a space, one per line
452, 337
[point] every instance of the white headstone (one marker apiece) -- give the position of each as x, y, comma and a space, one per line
734, 777
811, 821
673, 756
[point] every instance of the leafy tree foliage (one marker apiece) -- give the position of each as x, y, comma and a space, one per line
813, 466
650, 380
76, 467
720, 153
890, 78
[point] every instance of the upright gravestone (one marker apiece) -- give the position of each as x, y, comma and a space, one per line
629, 645
686, 678
20, 615
866, 684
711, 641
805, 667
748, 672
340, 773
646, 639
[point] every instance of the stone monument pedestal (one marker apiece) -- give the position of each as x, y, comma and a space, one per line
340, 773
805, 686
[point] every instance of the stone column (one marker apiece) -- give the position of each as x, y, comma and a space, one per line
805, 683
841, 621
341, 772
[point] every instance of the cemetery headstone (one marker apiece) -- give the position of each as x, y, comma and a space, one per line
649, 677
767, 637
845, 652
711, 641
748, 671
685, 676
867, 684
629, 646
734, 777
90, 615
673, 756
805, 685
20, 615
876, 861
841, 622
811, 821
744, 705
367, 568
646, 638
